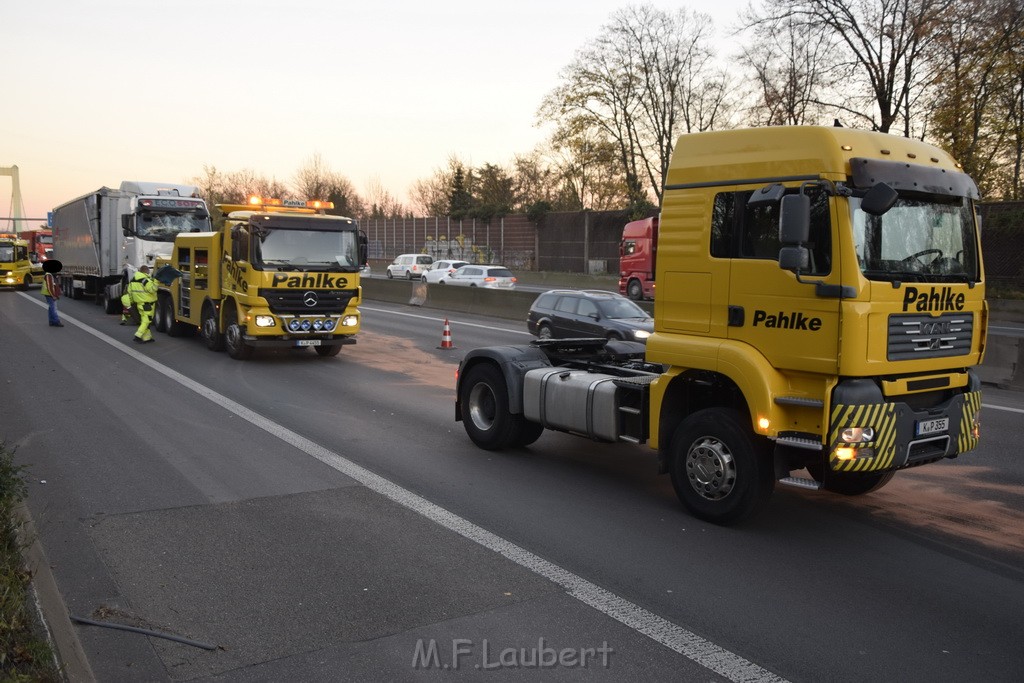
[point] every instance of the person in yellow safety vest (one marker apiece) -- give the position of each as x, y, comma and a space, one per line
141, 293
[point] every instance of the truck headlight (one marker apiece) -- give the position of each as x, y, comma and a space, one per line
350, 321
328, 325
306, 325
294, 325
265, 321
858, 434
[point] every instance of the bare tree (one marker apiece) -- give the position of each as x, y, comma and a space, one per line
316, 180
882, 43
792, 70
973, 108
645, 79
380, 203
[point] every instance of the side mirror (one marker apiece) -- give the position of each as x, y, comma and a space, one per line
795, 219
879, 199
794, 258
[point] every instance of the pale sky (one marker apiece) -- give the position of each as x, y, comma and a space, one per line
100, 91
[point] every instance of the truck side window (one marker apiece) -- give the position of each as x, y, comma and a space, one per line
240, 244
723, 219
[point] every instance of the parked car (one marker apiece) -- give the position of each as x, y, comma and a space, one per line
410, 266
440, 269
567, 314
492, 277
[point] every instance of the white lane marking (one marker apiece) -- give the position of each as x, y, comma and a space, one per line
995, 407
690, 645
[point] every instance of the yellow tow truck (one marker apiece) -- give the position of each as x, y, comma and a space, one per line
278, 273
18, 267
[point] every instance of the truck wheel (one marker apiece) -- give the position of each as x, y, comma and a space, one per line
111, 304
485, 415
25, 283
850, 484
722, 472
160, 315
211, 335
327, 351
635, 290
233, 341
530, 432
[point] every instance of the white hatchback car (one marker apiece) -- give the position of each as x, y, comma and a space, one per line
411, 266
440, 269
492, 277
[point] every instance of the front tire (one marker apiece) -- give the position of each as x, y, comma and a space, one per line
483, 397
721, 471
233, 339
635, 290
327, 351
161, 314
544, 331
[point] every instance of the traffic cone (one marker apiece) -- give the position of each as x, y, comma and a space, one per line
446, 337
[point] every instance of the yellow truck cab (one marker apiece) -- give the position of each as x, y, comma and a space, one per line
277, 274
821, 304
18, 267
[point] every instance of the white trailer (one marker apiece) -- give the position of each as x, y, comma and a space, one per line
103, 237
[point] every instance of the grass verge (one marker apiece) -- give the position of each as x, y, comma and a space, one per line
25, 654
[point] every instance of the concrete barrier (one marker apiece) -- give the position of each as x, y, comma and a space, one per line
507, 305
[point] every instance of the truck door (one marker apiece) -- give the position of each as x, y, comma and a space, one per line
787, 321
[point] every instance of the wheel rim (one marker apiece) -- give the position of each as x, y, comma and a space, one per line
482, 406
710, 468
233, 336
209, 327
544, 332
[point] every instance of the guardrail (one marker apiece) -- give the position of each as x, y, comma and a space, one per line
1004, 357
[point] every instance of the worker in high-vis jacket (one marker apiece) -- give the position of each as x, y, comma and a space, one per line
141, 293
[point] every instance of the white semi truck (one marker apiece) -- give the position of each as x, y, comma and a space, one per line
103, 237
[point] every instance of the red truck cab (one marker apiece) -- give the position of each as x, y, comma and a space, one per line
637, 255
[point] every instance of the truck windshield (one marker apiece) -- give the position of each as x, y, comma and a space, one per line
162, 227
283, 249
920, 239
6, 253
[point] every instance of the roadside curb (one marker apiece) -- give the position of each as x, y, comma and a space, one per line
50, 607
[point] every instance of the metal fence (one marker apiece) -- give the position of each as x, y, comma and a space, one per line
588, 241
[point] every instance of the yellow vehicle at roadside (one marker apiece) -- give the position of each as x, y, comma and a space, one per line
277, 274
18, 267
820, 308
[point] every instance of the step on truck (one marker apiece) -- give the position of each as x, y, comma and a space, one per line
103, 237
278, 273
820, 307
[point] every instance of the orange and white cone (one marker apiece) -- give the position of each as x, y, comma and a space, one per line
446, 337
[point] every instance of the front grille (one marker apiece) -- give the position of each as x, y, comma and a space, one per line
913, 336
295, 301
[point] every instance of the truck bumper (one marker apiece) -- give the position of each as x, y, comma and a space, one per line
901, 436
301, 342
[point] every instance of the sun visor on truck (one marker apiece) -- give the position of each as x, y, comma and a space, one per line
167, 274
912, 178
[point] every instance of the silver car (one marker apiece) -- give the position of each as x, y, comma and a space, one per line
491, 277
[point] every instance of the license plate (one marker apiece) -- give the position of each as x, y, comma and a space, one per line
932, 426
308, 342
